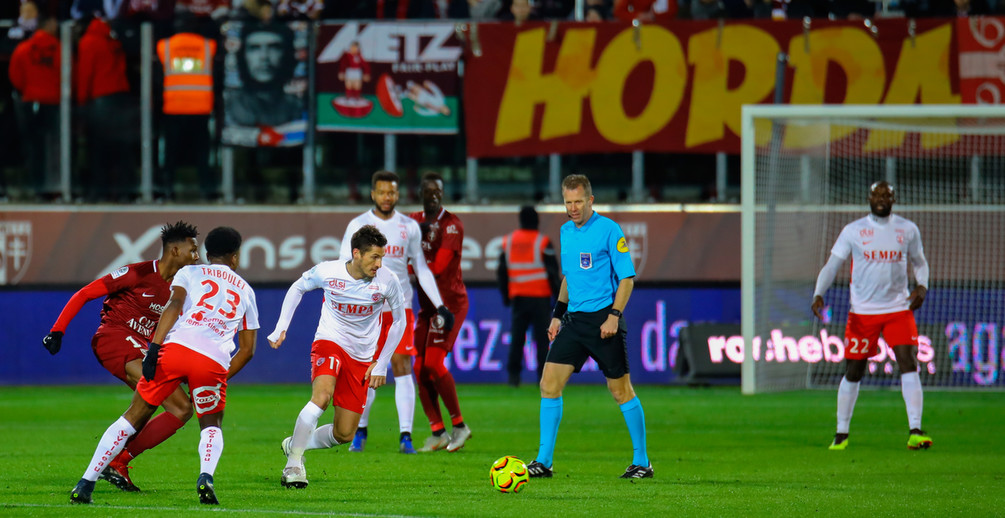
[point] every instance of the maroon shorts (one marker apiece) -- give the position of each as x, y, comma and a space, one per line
177, 363
406, 345
328, 359
428, 334
115, 348
861, 335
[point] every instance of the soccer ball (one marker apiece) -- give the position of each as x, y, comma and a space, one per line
508, 474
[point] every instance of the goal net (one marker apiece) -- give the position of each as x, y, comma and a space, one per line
806, 173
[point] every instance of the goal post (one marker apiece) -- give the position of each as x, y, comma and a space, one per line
805, 174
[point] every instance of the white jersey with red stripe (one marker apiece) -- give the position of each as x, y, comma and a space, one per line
218, 304
350, 315
879, 249
404, 244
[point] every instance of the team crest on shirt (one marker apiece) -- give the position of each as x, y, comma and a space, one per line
636, 239
585, 260
376, 297
15, 250
900, 236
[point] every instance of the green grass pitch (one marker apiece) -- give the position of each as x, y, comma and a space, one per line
715, 452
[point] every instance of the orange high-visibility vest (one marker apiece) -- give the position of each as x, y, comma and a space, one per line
188, 74
524, 264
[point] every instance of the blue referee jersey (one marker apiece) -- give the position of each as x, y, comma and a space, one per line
594, 260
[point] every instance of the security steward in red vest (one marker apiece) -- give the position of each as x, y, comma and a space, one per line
188, 103
528, 279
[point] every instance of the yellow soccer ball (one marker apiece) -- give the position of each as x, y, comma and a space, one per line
509, 474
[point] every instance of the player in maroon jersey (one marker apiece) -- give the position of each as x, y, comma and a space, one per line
442, 239
135, 295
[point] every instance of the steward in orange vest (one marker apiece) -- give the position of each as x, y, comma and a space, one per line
188, 73
528, 278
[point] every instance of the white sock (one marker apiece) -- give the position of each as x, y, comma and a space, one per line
302, 430
111, 443
322, 438
910, 387
364, 420
404, 398
847, 395
210, 449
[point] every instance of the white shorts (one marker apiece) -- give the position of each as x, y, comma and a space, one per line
354, 74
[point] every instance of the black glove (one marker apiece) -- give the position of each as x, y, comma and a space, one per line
150, 361
53, 341
447, 316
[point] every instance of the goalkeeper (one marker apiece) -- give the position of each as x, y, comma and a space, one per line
880, 246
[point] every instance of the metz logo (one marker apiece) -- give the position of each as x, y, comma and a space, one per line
637, 234
15, 250
395, 43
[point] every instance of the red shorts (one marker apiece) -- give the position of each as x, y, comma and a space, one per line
428, 335
177, 363
115, 348
328, 359
861, 335
405, 346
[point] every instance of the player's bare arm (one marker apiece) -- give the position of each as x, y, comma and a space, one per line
610, 326
917, 297
374, 381
817, 306
245, 350
563, 300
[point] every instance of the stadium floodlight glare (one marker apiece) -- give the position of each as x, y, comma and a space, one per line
806, 173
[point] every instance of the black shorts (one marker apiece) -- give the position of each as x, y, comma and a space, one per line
580, 339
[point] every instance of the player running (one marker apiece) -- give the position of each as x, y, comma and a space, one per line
880, 246
344, 344
403, 246
209, 305
135, 295
442, 241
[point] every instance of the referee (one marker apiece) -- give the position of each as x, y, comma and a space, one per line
587, 323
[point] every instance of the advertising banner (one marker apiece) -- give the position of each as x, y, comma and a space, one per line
265, 83
388, 78
76, 246
678, 87
981, 41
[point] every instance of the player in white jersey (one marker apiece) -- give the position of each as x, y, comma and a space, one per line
209, 304
880, 246
344, 344
404, 246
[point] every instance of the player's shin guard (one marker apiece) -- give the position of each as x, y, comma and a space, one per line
111, 443
404, 398
847, 395
910, 387
307, 421
635, 418
210, 449
322, 438
371, 395
551, 417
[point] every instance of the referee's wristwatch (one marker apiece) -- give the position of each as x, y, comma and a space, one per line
616, 312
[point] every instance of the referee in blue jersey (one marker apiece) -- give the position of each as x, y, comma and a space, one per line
587, 323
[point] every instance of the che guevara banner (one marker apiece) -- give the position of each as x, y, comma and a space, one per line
388, 78
678, 87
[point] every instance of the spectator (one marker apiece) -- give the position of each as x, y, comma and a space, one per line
519, 12
561, 9
646, 10
102, 89
594, 14
300, 9
484, 9
34, 73
27, 21
85, 9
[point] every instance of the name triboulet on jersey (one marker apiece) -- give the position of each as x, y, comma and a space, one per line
883, 256
227, 276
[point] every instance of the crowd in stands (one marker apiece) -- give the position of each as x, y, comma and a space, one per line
26, 12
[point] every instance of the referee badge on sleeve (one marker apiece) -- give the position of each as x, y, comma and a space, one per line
585, 260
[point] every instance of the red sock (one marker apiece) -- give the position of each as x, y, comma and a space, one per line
155, 432
448, 393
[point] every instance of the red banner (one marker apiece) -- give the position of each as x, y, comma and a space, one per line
982, 61
590, 88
